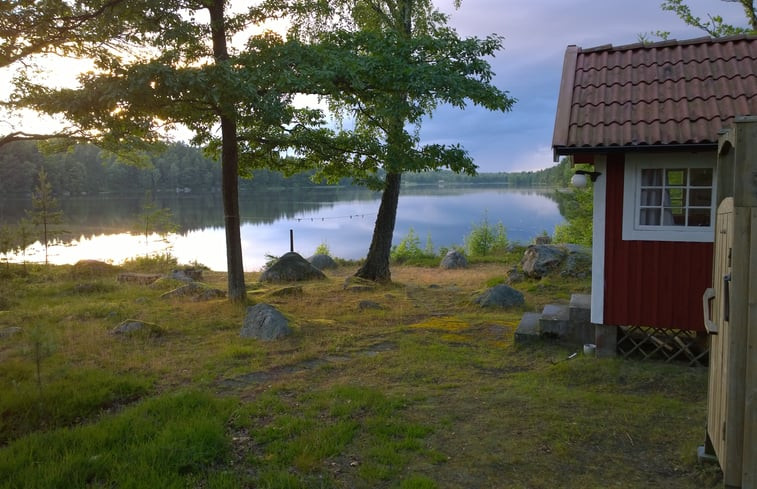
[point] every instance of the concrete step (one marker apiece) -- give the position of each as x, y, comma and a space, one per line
555, 319
567, 322
580, 308
528, 328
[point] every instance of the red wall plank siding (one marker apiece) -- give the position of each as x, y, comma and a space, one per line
650, 283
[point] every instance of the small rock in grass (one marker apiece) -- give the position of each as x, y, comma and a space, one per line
134, 327
265, 322
500, 296
454, 259
363, 305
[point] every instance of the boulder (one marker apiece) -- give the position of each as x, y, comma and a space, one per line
578, 262
514, 276
454, 259
194, 291
500, 296
264, 322
569, 260
135, 327
186, 274
541, 260
322, 262
291, 267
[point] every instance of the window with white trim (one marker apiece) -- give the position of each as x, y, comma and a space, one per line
669, 197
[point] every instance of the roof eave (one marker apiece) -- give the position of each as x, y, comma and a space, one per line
646, 148
565, 98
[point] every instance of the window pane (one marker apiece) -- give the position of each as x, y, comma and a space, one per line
699, 217
701, 177
651, 197
651, 178
673, 216
701, 197
675, 177
649, 217
675, 197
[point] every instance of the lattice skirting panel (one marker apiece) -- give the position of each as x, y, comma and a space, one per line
669, 345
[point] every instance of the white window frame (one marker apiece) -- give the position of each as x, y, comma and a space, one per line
634, 163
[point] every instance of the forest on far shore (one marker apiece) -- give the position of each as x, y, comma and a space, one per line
86, 170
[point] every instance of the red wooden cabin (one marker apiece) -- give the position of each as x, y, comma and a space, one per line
647, 116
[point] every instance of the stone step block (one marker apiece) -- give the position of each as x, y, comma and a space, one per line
580, 308
555, 320
528, 328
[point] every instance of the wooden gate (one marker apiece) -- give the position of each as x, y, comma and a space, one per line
731, 311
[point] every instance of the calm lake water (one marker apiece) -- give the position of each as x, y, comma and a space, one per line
106, 228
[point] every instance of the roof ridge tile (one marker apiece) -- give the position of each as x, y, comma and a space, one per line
668, 43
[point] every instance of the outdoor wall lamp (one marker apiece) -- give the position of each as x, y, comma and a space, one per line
579, 178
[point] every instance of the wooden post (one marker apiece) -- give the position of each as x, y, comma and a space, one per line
750, 394
291, 240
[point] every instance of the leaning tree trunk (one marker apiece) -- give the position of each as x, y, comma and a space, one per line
376, 266
229, 164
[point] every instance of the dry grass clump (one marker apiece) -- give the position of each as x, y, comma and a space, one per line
93, 269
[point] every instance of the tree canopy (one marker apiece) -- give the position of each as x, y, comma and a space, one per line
383, 65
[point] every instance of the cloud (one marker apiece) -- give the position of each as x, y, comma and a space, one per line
530, 66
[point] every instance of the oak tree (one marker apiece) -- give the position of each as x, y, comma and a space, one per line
386, 65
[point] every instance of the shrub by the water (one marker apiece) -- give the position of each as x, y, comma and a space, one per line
486, 239
409, 250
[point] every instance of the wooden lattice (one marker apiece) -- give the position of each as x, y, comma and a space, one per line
663, 344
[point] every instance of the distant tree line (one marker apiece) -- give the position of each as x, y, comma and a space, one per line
86, 170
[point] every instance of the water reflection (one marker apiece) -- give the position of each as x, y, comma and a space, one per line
342, 218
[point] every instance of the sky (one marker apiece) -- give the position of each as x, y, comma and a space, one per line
529, 67
536, 33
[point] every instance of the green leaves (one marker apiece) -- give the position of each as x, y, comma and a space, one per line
377, 78
714, 24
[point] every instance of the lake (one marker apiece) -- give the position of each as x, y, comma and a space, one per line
106, 228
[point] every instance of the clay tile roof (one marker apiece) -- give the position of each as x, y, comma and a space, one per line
648, 95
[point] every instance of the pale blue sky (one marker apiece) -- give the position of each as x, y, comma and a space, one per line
536, 34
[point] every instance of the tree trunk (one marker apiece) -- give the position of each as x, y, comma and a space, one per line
376, 266
229, 164
230, 190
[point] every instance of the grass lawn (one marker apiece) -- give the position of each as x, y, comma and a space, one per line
427, 391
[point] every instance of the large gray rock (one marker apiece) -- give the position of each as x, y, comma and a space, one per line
322, 262
541, 260
500, 296
569, 260
454, 259
291, 267
578, 262
265, 322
